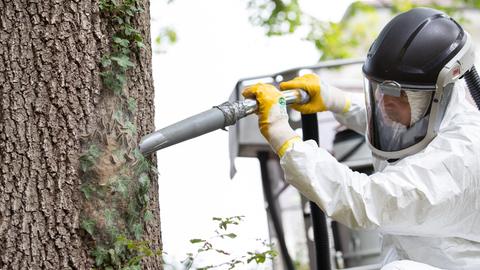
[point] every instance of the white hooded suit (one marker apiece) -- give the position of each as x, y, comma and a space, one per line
426, 206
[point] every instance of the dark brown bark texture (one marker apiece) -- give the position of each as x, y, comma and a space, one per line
51, 100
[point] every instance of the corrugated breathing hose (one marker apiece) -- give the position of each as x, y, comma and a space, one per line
473, 82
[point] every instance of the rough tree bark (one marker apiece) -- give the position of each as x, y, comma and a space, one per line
51, 98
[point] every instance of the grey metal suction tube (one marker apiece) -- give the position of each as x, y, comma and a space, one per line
223, 115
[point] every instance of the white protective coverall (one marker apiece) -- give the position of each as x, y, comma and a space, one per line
426, 206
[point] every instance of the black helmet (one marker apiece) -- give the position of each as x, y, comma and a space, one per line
409, 74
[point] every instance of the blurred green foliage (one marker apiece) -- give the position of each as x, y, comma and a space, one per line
351, 36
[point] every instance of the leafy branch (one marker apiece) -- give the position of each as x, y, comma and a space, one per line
204, 246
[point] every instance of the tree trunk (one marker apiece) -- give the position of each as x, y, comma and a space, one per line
53, 105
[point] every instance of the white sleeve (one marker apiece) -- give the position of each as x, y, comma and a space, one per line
420, 195
355, 117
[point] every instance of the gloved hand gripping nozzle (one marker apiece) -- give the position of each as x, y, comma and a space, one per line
221, 116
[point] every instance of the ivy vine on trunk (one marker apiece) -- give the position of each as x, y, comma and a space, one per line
115, 174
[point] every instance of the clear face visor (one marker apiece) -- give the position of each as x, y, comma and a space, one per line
397, 116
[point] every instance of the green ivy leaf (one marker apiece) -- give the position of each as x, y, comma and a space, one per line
137, 230
88, 159
110, 215
144, 180
118, 156
118, 116
129, 30
132, 104
140, 45
123, 61
121, 41
141, 165
120, 245
145, 199
126, 51
87, 191
138, 37
113, 81
88, 225
106, 61
121, 77
118, 20
120, 185
130, 127
113, 257
100, 255
148, 216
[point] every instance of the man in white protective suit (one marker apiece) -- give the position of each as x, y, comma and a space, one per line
425, 139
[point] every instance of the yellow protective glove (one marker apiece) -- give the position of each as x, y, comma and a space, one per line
272, 116
322, 96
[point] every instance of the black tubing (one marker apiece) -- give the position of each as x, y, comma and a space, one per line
319, 220
473, 82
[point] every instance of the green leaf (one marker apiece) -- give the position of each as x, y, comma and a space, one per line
141, 163
87, 191
128, 30
148, 215
126, 51
88, 159
231, 235
120, 185
130, 127
138, 37
172, 35
196, 240
113, 257
113, 81
140, 45
144, 180
158, 40
222, 252
106, 61
88, 225
118, 116
145, 199
118, 156
121, 41
120, 245
110, 215
137, 230
121, 77
132, 104
123, 61
100, 255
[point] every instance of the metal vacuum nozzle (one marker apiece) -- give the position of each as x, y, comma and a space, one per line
221, 116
